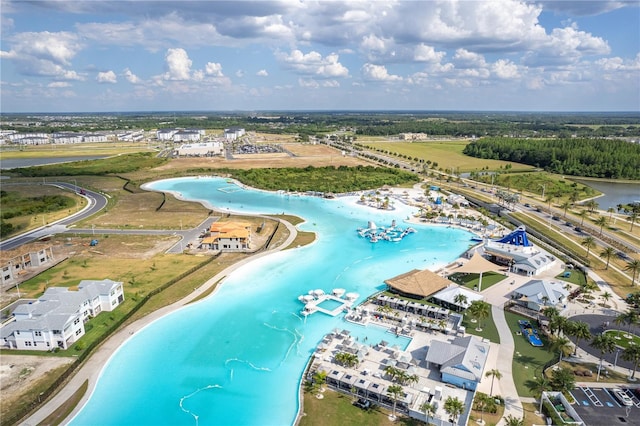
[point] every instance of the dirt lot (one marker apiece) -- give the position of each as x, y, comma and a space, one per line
19, 372
306, 155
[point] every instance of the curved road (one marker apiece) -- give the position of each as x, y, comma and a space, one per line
95, 203
595, 326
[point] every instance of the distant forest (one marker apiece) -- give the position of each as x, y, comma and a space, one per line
308, 124
602, 158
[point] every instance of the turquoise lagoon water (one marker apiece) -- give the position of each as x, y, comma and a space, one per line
236, 358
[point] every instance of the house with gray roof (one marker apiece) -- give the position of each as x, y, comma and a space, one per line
461, 362
537, 294
56, 319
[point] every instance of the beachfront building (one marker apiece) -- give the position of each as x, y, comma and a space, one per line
233, 133
538, 294
456, 297
371, 376
515, 251
228, 236
460, 361
56, 319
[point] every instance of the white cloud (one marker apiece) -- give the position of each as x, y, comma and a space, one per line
179, 65
240, 73
466, 59
505, 69
107, 77
213, 69
44, 54
424, 53
378, 73
59, 84
313, 63
131, 77
262, 73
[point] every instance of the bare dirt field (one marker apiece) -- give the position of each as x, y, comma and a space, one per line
306, 155
18, 373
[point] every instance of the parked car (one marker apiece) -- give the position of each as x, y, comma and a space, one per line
622, 397
578, 229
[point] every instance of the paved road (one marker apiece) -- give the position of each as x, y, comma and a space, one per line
95, 203
595, 325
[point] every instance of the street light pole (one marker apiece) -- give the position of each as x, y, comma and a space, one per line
615, 360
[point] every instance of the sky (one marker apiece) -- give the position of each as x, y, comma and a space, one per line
472, 55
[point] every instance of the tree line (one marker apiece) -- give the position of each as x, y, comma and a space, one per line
601, 158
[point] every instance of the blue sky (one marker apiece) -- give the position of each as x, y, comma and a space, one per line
520, 55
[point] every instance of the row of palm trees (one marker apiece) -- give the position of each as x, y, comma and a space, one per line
633, 265
605, 343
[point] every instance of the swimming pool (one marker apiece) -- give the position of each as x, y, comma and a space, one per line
237, 357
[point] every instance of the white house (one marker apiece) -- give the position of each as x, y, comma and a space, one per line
516, 251
56, 319
66, 138
186, 136
94, 137
233, 133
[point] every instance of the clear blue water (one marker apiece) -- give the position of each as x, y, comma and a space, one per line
236, 357
329, 304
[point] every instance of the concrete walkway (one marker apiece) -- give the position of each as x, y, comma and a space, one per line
92, 368
512, 403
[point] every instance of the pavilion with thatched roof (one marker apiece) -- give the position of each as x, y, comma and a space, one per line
418, 283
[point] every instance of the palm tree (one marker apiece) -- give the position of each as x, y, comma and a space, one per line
538, 386
392, 372
606, 253
480, 310
460, 300
428, 409
562, 345
601, 222
320, 377
513, 421
606, 344
582, 214
482, 401
588, 242
611, 211
606, 296
632, 354
629, 318
563, 380
454, 407
395, 392
580, 330
494, 374
565, 205
634, 267
633, 216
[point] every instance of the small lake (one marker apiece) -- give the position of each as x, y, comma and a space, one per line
16, 163
614, 192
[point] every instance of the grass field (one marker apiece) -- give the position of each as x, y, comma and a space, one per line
528, 360
471, 280
337, 409
448, 155
489, 330
75, 150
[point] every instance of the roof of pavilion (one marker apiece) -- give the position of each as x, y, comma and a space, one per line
418, 282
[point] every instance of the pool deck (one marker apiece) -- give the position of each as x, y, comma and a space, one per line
312, 306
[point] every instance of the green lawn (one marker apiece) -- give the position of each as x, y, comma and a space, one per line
448, 154
336, 408
622, 340
489, 330
471, 280
528, 361
576, 277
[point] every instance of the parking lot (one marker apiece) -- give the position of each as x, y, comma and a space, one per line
598, 406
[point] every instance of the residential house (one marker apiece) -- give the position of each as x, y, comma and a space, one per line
56, 319
538, 294
228, 236
461, 361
